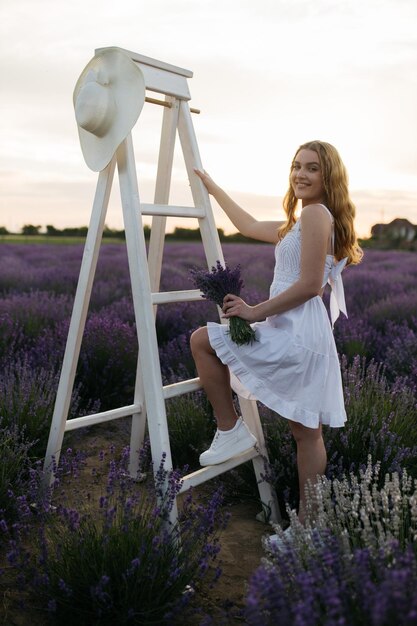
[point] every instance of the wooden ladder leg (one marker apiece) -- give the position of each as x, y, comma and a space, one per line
209, 235
138, 427
162, 188
78, 318
267, 493
155, 254
142, 303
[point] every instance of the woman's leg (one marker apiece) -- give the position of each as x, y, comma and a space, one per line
233, 436
311, 459
215, 379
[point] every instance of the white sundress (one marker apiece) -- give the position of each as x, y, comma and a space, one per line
293, 366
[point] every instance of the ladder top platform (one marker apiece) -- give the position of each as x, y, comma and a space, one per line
144, 60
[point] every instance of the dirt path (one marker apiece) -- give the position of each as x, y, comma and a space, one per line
240, 555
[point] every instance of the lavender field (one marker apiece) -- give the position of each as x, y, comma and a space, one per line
378, 351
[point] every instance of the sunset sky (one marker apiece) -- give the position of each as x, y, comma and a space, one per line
268, 75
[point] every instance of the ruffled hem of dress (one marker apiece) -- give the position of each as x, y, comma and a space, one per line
256, 386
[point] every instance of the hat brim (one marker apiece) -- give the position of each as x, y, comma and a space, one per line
127, 83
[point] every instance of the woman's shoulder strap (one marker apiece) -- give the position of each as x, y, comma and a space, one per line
328, 211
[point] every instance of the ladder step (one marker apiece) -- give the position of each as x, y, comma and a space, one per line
178, 389
105, 416
206, 473
170, 210
165, 297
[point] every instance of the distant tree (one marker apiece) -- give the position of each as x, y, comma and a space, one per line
185, 234
236, 238
194, 234
30, 229
4, 231
112, 232
75, 231
52, 231
182, 234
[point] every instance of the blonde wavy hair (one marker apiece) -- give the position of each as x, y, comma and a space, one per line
337, 200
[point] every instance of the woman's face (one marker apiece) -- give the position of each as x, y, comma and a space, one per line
306, 178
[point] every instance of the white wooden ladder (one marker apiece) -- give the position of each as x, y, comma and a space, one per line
145, 271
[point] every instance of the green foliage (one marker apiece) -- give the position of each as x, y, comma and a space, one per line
29, 402
30, 229
380, 422
117, 560
14, 455
105, 561
27, 399
190, 427
107, 363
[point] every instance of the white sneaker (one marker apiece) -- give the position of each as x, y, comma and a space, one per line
276, 543
228, 443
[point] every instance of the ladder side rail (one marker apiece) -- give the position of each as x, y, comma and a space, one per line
162, 189
144, 316
78, 318
138, 425
209, 234
270, 507
249, 410
155, 254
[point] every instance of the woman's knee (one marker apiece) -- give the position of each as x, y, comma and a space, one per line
199, 341
302, 433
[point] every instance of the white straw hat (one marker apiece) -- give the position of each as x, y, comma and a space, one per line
108, 98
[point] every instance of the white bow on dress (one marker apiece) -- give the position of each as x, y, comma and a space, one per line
337, 295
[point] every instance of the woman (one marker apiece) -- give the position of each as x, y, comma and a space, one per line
293, 366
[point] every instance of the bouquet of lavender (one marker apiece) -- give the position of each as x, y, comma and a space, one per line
215, 285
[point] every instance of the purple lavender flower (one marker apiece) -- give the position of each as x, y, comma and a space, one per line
114, 559
334, 588
215, 285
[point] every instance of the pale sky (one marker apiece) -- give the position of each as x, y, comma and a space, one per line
268, 76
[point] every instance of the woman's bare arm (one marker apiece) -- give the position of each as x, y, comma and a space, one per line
246, 224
